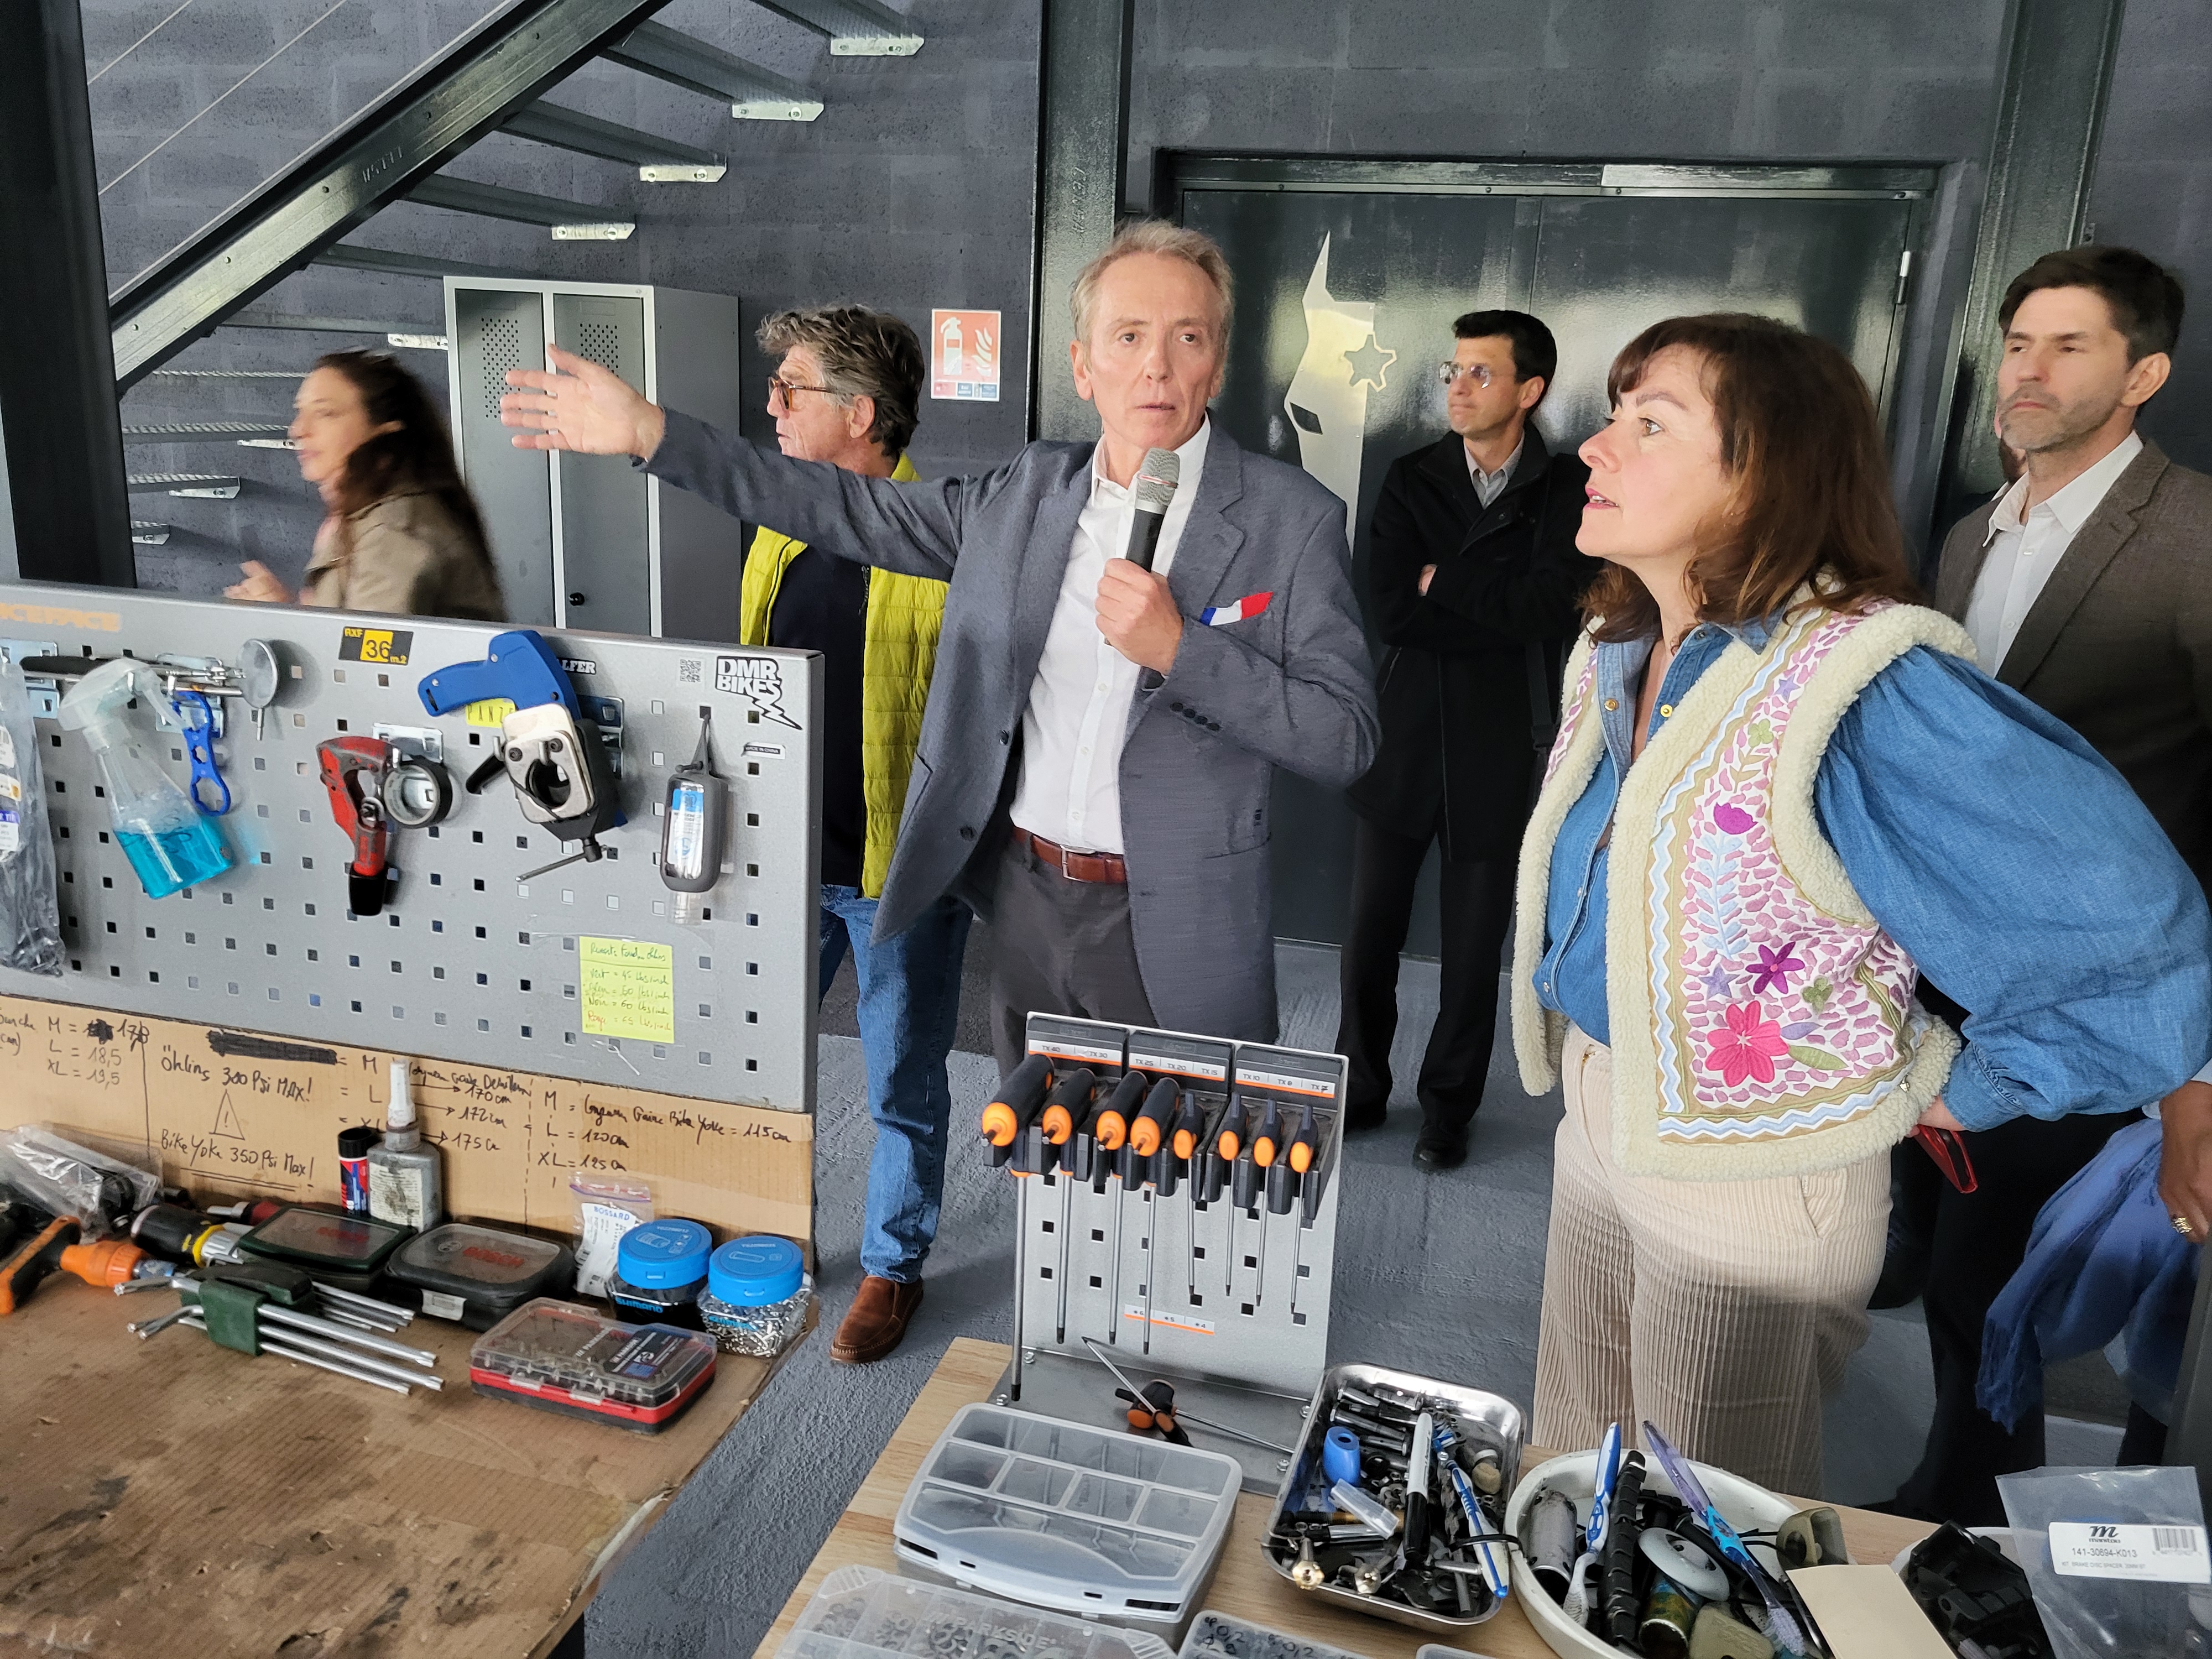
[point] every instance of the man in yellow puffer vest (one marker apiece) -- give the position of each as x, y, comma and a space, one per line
847, 392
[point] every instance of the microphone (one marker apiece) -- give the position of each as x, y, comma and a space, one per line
1155, 487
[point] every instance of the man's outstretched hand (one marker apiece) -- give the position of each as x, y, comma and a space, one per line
577, 406
2185, 1167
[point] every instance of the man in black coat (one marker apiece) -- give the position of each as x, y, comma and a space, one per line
1473, 586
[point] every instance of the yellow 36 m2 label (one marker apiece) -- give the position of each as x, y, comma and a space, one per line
385, 645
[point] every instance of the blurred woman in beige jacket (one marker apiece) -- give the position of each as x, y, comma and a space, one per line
402, 535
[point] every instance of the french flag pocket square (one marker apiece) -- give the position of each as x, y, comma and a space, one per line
1220, 616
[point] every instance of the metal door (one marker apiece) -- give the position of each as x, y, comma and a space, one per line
1349, 274
492, 331
605, 541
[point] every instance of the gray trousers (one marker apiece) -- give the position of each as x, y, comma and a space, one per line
1058, 947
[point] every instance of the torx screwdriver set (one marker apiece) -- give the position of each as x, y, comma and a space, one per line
1176, 1209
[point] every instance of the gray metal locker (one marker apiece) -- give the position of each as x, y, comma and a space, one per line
589, 541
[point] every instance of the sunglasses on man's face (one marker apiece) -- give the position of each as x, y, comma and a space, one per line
1450, 373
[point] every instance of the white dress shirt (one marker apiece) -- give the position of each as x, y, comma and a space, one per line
1070, 790
1488, 486
2026, 544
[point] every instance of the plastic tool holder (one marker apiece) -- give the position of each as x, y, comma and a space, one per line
1093, 1522
861, 1614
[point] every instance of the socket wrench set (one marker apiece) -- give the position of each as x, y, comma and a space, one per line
1090, 1522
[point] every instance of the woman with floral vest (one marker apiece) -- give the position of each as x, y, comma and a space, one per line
1780, 790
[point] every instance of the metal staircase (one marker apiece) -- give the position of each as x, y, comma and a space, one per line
495, 78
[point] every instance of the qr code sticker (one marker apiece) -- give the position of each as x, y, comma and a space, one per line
687, 670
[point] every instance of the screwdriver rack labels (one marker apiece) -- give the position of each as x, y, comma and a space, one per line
466, 962
1182, 1210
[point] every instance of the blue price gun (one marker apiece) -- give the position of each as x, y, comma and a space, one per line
554, 758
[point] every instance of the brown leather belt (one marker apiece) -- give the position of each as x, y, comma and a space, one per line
1106, 867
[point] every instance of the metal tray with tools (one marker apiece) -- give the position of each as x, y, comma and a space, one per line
1486, 1420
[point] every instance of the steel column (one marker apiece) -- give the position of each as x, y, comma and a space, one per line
1083, 123
64, 441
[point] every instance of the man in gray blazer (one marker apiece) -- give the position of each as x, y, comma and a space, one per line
1095, 765
2087, 588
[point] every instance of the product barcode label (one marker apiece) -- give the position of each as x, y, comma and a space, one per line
2099, 1549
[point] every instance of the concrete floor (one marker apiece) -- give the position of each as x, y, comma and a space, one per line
1439, 1275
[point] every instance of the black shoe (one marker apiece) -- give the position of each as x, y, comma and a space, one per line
1435, 1153
1359, 1122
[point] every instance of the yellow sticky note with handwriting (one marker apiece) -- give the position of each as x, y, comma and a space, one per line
628, 988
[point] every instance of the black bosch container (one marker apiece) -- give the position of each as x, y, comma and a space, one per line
479, 1275
349, 1251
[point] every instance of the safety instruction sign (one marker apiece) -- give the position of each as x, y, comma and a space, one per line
964, 356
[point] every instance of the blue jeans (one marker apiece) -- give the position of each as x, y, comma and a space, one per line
909, 1003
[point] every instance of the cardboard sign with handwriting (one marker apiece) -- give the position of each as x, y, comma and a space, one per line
232, 1113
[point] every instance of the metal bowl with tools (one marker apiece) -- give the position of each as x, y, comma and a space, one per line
1397, 1480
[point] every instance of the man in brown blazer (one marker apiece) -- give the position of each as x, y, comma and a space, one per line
2086, 586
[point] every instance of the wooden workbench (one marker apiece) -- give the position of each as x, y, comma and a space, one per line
1244, 1586
170, 1499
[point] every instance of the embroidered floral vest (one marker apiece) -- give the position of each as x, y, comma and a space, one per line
1763, 1023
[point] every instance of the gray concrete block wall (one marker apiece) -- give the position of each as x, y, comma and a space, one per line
2153, 191
913, 189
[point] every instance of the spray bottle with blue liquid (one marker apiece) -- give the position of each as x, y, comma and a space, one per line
170, 842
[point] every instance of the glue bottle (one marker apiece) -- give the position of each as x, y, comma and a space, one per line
406, 1179
694, 829
169, 844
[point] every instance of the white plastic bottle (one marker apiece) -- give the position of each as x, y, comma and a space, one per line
406, 1178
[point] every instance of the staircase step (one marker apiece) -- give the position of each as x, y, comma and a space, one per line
202, 432
225, 374
659, 160
390, 261
856, 28
754, 94
570, 222
149, 533
209, 486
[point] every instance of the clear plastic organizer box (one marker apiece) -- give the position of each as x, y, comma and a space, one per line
860, 1612
1093, 1522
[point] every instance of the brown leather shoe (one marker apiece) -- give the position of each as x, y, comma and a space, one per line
877, 1322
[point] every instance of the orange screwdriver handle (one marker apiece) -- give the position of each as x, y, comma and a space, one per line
1305, 1146
1151, 1127
1268, 1140
1228, 1140
1017, 1101
1113, 1121
111, 1261
27, 1265
1069, 1096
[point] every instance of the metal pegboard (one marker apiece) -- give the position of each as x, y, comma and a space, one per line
467, 963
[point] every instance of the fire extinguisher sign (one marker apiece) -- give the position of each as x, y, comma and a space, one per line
963, 355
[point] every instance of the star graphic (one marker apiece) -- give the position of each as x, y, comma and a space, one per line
1716, 980
1370, 364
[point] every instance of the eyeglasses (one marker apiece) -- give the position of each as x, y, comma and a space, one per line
780, 391
1447, 374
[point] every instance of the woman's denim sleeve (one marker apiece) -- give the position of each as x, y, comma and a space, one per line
2030, 885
